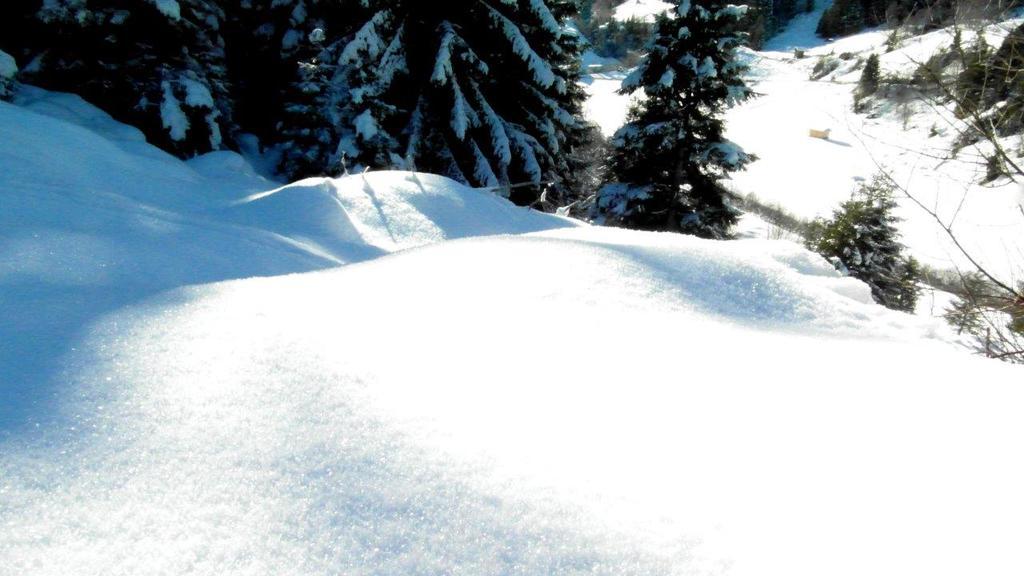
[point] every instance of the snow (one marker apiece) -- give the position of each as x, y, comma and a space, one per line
197, 94
799, 32
8, 67
171, 114
366, 125
605, 106
208, 372
169, 8
810, 177
643, 10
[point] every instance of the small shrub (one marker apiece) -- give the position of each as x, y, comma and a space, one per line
823, 67
861, 239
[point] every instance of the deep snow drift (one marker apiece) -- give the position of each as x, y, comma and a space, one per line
456, 385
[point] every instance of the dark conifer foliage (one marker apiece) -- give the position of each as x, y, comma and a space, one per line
159, 65
481, 91
669, 158
861, 239
850, 16
869, 77
282, 56
484, 91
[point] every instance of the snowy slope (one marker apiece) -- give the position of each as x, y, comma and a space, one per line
93, 219
548, 399
605, 106
810, 177
643, 10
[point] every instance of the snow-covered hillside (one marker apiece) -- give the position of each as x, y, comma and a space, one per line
205, 372
810, 176
643, 10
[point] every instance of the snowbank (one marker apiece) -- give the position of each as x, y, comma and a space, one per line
547, 399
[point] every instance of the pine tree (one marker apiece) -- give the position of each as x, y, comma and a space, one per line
483, 92
670, 156
861, 239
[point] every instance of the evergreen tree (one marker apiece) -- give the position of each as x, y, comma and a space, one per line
282, 57
973, 81
870, 77
483, 92
157, 65
669, 157
306, 132
861, 239
842, 18
1005, 84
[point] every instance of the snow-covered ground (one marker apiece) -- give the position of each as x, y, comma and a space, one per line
810, 177
205, 372
605, 106
643, 10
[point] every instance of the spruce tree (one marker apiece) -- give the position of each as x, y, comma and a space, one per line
669, 158
282, 57
869, 77
861, 239
483, 92
306, 133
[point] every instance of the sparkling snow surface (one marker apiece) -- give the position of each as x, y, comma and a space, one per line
426, 379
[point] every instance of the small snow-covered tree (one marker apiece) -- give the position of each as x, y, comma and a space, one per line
861, 238
668, 159
482, 91
869, 77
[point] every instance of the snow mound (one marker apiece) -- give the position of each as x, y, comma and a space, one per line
548, 398
93, 218
388, 211
571, 401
